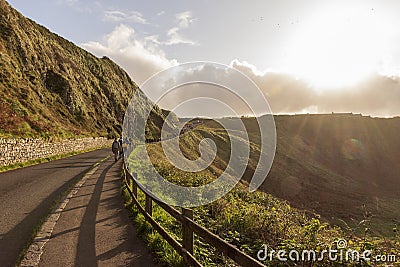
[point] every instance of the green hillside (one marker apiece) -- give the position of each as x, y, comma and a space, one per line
313, 195
343, 167
51, 87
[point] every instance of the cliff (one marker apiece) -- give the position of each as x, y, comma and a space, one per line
49, 86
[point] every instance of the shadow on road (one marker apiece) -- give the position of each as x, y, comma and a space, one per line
13, 242
86, 251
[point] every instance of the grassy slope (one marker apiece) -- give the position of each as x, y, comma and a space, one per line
250, 220
50, 87
342, 167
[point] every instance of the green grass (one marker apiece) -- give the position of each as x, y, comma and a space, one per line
164, 253
248, 220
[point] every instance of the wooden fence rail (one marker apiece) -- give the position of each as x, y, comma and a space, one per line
189, 227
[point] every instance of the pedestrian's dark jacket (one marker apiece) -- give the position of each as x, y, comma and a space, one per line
115, 146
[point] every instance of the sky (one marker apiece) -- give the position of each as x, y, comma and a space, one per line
306, 56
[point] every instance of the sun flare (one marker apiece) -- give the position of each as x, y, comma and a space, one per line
337, 47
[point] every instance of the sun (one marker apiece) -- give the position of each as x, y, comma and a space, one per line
338, 47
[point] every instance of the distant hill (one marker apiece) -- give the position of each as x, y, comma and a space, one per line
344, 167
329, 170
49, 86
341, 166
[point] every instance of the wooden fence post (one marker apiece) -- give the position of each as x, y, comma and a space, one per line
149, 205
134, 185
187, 239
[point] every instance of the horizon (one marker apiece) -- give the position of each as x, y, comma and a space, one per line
297, 114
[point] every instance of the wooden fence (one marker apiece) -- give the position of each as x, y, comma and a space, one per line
189, 227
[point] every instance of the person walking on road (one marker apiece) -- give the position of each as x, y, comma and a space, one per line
121, 149
115, 149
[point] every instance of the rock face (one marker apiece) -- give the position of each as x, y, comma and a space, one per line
50, 86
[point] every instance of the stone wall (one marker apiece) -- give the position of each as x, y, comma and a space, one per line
22, 150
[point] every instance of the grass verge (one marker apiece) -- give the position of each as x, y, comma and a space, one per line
160, 248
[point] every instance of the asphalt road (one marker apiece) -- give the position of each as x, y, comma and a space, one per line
94, 229
27, 195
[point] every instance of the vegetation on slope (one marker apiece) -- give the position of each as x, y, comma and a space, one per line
50, 87
341, 166
251, 220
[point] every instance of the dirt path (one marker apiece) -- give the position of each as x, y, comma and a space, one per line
94, 229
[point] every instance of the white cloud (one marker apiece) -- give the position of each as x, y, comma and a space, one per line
143, 57
154, 39
176, 38
184, 20
174, 35
377, 96
139, 57
119, 16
